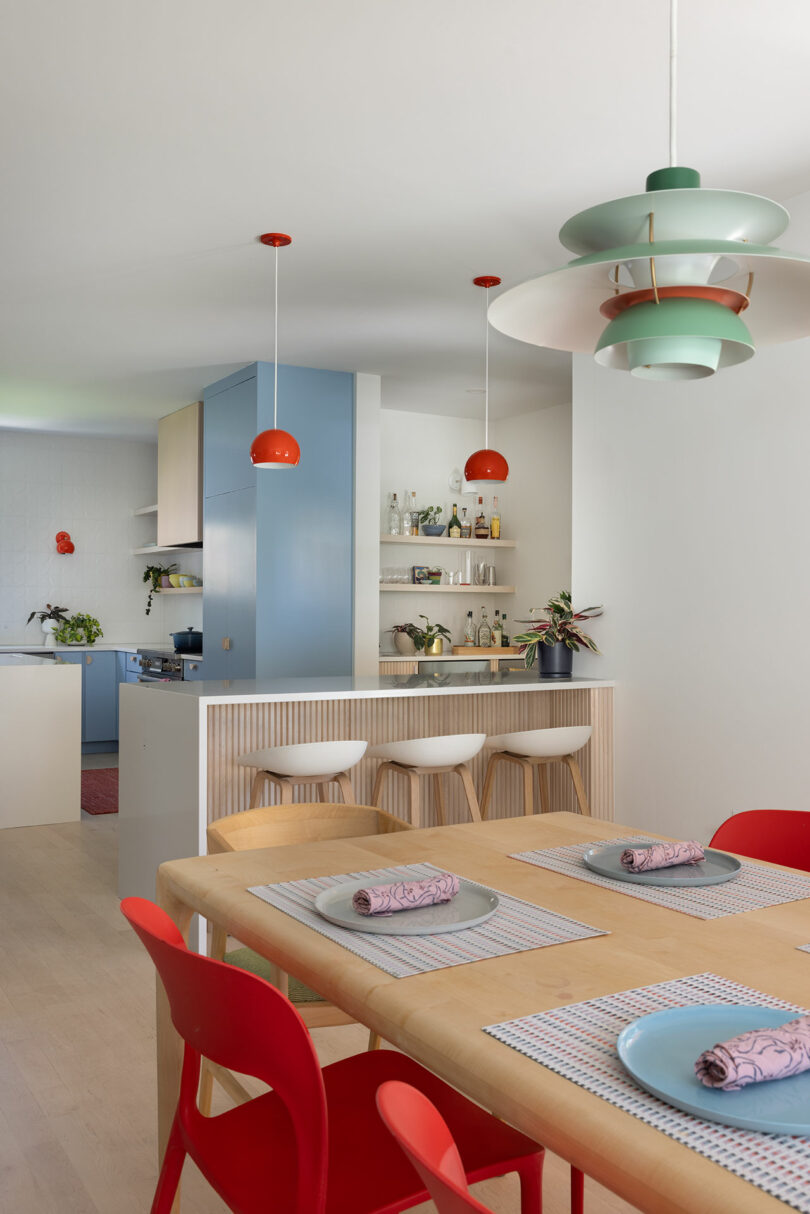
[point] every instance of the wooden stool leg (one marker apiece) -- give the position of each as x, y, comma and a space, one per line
579, 785
414, 803
378, 783
489, 781
438, 792
469, 791
345, 786
286, 791
323, 793
257, 790
542, 780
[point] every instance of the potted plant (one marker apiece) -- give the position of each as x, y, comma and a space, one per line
153, 574
429, 638
557, 638
79, 629
50, 619
403, 638
429, 518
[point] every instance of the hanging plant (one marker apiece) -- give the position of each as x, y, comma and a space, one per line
153, 574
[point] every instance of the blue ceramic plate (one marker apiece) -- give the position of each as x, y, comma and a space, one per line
716, 868
660, 1051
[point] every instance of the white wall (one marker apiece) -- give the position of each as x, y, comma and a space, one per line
89, 487
366, 528
419, 451
690, 522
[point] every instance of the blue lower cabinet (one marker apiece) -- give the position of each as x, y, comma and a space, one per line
99, 698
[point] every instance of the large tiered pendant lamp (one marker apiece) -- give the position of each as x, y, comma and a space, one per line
486, 467
275, 448
671, 271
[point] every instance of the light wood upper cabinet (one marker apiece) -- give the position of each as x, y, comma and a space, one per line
180, 446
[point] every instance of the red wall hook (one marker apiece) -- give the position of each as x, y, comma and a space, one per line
64, 543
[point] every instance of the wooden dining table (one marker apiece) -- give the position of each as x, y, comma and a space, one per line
437, 1017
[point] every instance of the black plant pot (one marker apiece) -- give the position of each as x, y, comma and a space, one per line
554, 661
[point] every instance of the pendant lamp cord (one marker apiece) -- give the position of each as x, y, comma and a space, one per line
486, 374
673, 82
275, 349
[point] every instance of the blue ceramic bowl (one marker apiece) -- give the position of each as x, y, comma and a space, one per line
433, 529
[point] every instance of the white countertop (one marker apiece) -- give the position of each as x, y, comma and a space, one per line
123, 646
450, 657
259, 691
16, 660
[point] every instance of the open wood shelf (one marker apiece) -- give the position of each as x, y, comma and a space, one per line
427, 588
445, 542
181, 590
163, 548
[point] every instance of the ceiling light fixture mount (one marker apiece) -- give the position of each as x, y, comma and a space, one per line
275, 448
486, 466
671, 270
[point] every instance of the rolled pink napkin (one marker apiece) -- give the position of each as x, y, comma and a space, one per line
757, 1055
661, 855
405, 895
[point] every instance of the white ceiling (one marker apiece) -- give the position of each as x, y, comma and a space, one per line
406, 147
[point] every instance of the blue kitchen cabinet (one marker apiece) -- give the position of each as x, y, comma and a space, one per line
279, 544
128, 667
99, 698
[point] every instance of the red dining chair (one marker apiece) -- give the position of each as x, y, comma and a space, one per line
315, 1144
780, 836
424, 1136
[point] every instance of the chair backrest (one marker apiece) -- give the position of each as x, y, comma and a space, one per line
422, 1132
243, 1023
780, 836
307, 822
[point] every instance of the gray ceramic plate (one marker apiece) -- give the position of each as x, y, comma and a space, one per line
716, 868
473, 904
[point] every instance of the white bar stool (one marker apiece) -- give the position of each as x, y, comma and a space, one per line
429, 757
536, 748
317, 763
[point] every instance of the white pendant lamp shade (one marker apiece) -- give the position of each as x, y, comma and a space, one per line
486, 466
686, 278
275, 448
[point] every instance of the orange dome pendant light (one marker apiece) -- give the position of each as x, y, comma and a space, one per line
275, 448
486, 466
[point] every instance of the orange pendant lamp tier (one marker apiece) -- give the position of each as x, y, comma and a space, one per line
275, 448
486, 466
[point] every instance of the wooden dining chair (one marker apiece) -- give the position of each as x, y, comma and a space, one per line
778, 836
281, 826
314, 1141
426, 1140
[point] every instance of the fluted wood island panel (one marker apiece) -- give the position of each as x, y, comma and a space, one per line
179, 743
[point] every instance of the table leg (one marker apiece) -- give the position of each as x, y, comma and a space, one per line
169, 1044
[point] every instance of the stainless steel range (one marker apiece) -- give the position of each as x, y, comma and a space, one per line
159, 667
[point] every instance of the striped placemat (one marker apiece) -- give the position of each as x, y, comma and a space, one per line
579, 1043
753, 888
515, 927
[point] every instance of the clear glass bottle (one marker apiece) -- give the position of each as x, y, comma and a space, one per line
414, 514
484, 631
497, 631
495, 521
394, 517
505, 640
469, 630
454, 529
481, 524
466, 525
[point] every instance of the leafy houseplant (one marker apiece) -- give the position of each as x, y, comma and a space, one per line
80, 629
424, 638
153, 574
560, 628
429, 518
50, 613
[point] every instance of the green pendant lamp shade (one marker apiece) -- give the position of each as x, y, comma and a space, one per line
677, 338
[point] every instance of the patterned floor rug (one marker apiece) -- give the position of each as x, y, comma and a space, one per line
100, 790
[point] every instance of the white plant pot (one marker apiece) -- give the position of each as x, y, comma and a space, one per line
404, 643
49, 627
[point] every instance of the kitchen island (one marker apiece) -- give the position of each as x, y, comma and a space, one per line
40, 728
178, 745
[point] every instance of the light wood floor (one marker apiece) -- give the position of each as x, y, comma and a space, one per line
77, 1069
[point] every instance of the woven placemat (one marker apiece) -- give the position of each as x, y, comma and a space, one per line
515, 927
753, 888
579, 1043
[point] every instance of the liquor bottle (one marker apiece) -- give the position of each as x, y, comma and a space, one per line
394, 517
481, 524
466, 525
484, 631
454, 530
414, 514
505, 640
469, 630
495, 521
497, 632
